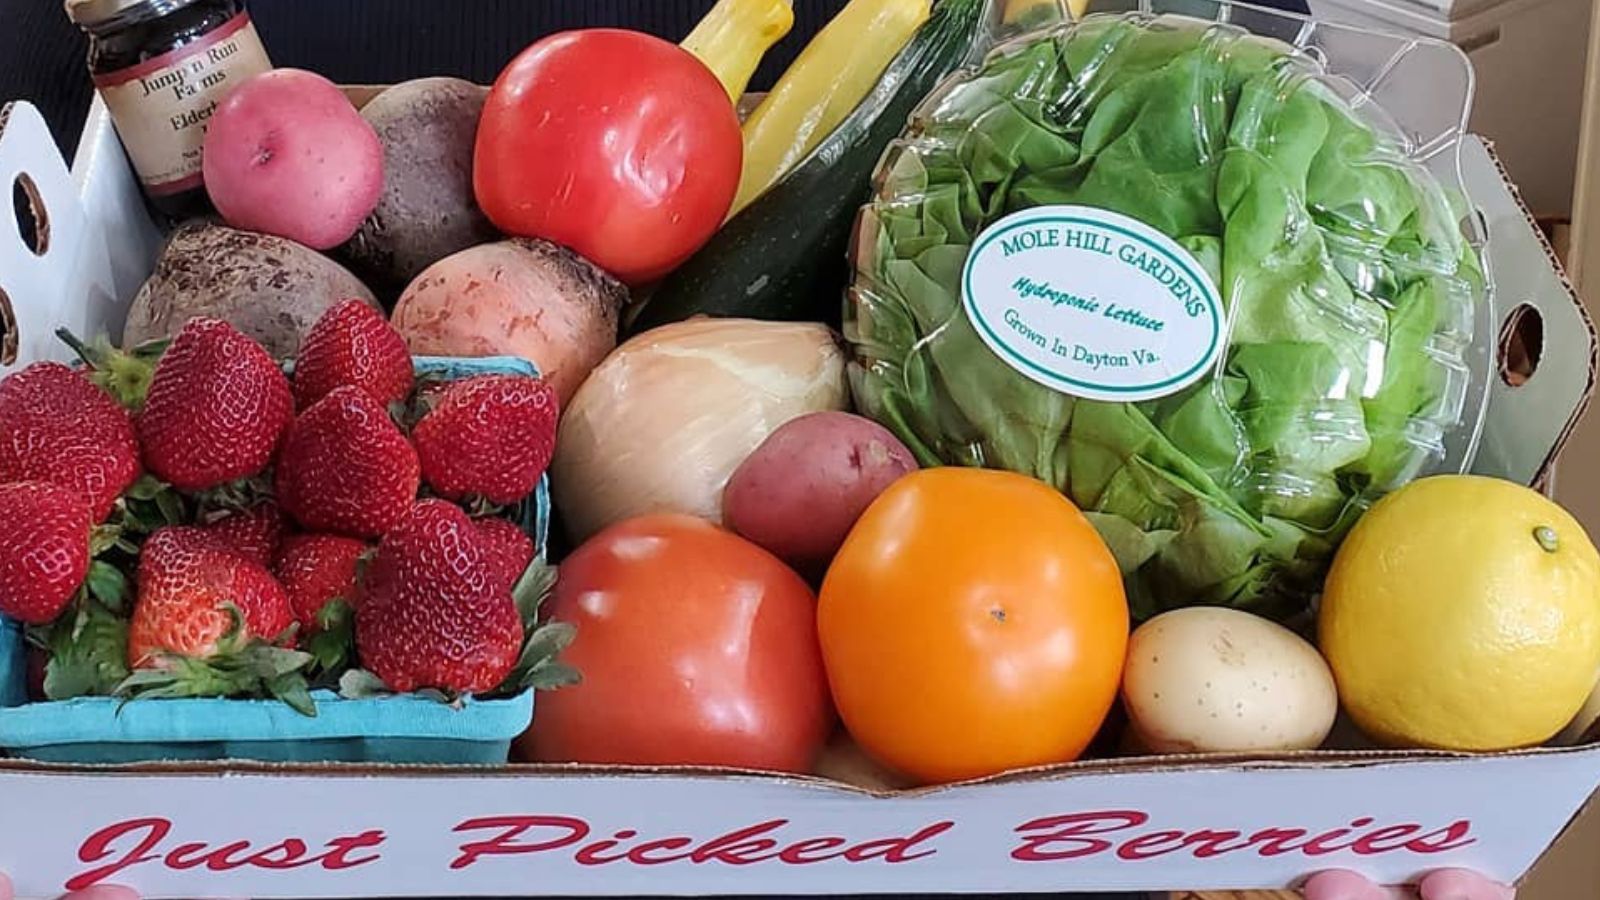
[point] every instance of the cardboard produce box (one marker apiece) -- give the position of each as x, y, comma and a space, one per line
308, 831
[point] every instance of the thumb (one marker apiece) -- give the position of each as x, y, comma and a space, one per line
1461, 884
6, 893
103, 892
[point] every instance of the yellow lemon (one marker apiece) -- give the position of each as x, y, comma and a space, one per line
1463, 613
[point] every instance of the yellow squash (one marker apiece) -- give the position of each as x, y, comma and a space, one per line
828, 80
1015, 10
735, 35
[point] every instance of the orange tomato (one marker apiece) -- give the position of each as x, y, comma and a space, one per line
973, 623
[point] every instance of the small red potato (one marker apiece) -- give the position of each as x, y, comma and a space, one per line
286, 154
799, 494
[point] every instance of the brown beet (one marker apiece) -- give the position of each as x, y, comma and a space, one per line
427, 211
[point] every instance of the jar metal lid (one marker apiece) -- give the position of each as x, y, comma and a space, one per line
95, 12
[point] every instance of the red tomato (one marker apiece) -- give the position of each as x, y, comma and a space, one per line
696, 647
617, 144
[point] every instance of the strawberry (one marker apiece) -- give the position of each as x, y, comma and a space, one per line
56, 426
173, 540
187, 578
490, 436
44, 549
352, 344
217, 408
254, 533
434, 614
322, 573
318, 569
509, 549
345, 468
205, 622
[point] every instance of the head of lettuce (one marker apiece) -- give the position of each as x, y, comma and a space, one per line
1349, 293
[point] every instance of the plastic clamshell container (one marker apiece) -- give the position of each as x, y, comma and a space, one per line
1356, 333
397, 729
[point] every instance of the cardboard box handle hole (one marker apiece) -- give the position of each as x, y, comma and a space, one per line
1521, 345
9, 339
33, 221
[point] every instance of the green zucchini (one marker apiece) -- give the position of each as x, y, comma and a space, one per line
784, 257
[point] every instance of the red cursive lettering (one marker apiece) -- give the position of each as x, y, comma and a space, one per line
186, 856
759, 843
290, 854
640, 855
1069, 830
796, 854
1149, 845
742, 847
1277, 841
898, 850
1083, 834
339, 849
100, 845
1208, 843
511, 828
589, 855
218, 861
1372, 843
1451, 837
137, 841
1326, 842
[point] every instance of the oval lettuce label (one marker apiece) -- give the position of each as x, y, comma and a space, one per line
1093, 303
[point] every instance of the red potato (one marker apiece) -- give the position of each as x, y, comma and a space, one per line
802, 490
523, 298
286, 154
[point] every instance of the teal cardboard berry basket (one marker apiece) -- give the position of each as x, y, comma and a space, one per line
394, 729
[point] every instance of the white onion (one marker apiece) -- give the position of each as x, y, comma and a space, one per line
662, 423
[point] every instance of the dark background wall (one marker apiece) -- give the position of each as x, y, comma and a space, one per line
41, 53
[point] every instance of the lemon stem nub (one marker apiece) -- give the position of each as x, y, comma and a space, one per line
1547, 538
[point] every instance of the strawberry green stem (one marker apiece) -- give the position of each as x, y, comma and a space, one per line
124, 375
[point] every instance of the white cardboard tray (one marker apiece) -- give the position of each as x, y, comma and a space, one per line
242, 830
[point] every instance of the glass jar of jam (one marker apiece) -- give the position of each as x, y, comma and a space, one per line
161, 67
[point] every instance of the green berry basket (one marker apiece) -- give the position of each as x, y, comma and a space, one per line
402, 729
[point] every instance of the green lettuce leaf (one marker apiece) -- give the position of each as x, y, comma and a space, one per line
1349, 289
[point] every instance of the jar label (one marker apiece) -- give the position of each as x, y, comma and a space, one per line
161, 106
1093, 303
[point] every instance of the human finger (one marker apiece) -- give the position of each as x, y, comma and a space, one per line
104, 892
1463, 884
1341, 884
